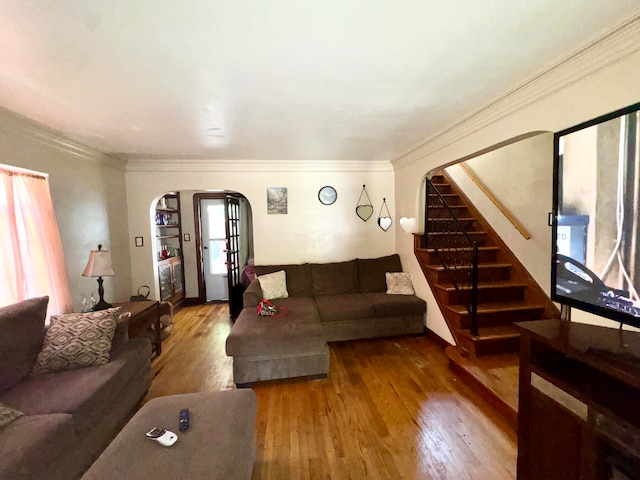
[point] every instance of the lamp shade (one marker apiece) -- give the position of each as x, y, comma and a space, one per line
99, 264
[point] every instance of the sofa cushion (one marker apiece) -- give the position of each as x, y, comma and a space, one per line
267, 336
395, 305
21, 335
87, 393
371, 272
344, 306
274, 285
33, 445
332, 278
298, 278
399, 283
8, 415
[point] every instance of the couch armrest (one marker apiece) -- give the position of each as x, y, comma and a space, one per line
252, 295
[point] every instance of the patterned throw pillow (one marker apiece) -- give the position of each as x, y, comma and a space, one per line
8, 415
399, 283
274, 285
77, 340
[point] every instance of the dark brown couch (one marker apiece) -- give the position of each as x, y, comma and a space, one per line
70, 416
327, 302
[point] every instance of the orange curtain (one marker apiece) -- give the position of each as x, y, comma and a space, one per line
31, 257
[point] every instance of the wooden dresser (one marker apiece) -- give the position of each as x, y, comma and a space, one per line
579, 402
144, 315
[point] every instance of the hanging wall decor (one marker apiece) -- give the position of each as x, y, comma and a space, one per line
384, 221
277, 200
364, 210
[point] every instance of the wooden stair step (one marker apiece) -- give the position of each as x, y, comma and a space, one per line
461, 249
439, 206
494, 377
495, 307
496, 313
486, 272
445, 222
449, 219
483, 266
443, 234
496, 291
444, 238
435, 197
490, 340
486, 253
442, 187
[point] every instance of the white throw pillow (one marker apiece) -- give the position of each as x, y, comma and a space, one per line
399, 283
274, 285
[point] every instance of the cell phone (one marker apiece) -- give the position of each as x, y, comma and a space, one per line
155, 432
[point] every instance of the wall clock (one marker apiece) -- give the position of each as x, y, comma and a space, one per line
327, 195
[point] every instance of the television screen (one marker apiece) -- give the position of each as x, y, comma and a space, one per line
596, 232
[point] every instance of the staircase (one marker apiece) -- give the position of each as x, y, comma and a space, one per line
506, 293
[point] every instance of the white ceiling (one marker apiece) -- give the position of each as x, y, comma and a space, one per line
276, 79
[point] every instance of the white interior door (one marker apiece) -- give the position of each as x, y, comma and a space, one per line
214, 248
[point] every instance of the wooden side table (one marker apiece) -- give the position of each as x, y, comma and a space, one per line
144, 315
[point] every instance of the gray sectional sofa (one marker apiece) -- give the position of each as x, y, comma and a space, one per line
326, 303
69, 416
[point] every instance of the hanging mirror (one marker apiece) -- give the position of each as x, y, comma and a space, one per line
384, 221
364, 210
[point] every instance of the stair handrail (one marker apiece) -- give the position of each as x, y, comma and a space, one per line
455, 269
498, 204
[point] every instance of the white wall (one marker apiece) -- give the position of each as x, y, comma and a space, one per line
310, 232
89, 197
587, 85
520, 176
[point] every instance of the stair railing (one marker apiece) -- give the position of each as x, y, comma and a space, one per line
455, 248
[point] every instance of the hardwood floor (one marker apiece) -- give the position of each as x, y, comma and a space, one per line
389, 409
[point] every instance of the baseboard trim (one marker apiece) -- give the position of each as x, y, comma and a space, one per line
435, 338
191, 301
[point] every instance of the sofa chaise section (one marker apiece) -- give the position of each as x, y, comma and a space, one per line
268, 348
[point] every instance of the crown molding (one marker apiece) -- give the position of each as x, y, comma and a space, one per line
18, 125
611, 46
182, 166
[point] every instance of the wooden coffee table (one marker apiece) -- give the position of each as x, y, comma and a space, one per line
144, 315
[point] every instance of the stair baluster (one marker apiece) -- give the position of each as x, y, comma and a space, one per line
455, 248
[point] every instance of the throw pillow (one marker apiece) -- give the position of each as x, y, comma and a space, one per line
399, 283
77, 340
274, 285
8, 415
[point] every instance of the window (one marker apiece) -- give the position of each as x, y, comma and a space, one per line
31, 257
217, 239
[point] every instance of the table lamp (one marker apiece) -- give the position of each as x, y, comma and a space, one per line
99, 265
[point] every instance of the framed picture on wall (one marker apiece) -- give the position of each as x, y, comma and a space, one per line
277, 200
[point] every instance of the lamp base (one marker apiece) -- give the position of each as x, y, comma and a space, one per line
101, 305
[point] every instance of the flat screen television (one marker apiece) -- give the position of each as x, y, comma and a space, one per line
596, 212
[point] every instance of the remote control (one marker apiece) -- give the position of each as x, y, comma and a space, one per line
184, 419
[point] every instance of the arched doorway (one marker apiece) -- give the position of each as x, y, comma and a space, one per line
224, 246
